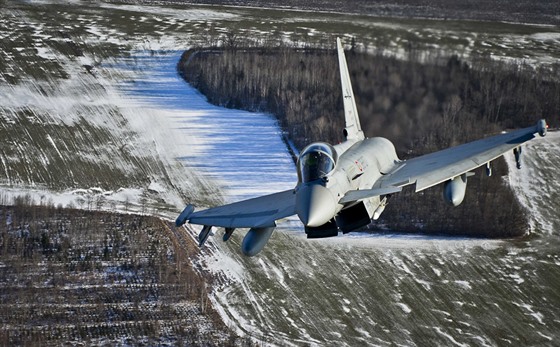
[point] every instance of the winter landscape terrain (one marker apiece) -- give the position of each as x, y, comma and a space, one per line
94, 116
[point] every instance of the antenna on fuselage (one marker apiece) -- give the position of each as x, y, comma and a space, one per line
353, 130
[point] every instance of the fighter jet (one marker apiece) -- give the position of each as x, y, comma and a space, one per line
343, 187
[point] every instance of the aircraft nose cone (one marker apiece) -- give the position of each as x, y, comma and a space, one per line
315, 205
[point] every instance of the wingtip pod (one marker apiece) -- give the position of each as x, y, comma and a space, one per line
184, 216
542, 127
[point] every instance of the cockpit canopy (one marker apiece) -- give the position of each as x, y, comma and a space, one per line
316, 161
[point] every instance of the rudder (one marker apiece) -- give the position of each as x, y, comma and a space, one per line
353, 130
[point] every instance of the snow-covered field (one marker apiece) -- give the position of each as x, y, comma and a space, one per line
537, 185
385, 290
94, 116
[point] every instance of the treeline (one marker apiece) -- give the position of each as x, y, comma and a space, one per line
421, 107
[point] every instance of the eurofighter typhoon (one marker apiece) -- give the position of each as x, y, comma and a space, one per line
343, 187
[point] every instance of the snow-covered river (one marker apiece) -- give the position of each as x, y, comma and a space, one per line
242, 152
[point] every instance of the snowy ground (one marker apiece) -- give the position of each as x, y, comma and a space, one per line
164, 146
537, 184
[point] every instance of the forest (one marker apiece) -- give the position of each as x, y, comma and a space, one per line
84, 277
420, 106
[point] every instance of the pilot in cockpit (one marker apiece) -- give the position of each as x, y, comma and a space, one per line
316, 162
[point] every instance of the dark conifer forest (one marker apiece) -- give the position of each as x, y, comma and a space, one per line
420, 107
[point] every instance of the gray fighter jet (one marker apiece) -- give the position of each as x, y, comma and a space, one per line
343, 187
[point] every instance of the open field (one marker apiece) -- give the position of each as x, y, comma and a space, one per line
77, 135
524, 11
385, 289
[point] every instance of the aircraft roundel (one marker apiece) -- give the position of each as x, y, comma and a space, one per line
359, 165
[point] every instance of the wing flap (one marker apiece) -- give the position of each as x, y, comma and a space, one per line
434, 168
258, 212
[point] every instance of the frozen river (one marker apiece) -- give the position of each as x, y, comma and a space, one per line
242, 152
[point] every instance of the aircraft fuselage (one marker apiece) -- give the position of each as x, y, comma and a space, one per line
356, 166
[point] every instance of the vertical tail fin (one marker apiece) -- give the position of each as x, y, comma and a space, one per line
353, 130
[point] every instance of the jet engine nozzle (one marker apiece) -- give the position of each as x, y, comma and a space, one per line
315, 205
